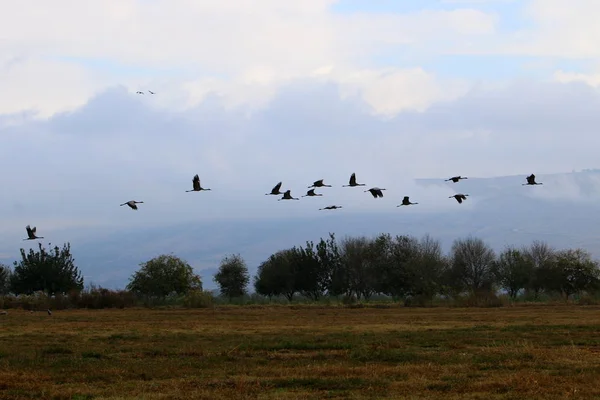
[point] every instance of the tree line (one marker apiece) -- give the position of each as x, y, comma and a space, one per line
404, 268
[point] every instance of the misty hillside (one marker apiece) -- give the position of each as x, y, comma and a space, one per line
564, 211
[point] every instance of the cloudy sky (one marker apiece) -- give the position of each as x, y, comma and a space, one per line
250, 93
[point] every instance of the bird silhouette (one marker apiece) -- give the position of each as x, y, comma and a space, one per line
376, 192
150, 91
406, 202
456, 178
459, 197
288, 196
196, 185
311, 193
352, 182
531, 181
132, 204
319, 183
330, 208
138, 92
275, 190
31, 233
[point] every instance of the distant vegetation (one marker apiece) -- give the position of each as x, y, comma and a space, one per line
401, 269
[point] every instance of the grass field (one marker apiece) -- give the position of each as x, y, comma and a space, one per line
287, 352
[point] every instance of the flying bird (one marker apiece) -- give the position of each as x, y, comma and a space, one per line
456, 178
132, 204
49, 312
406, 202
330, 208
150, 91
196, 185
459, 197
376, 192
319, 183
275, 190
288, 196
31, 233
311, 193
531, 181
352, 182
138, 92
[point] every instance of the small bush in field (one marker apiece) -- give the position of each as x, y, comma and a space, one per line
197, 298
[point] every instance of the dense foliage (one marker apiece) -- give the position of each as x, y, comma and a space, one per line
232, 276
164, 275
51, 271
401, 268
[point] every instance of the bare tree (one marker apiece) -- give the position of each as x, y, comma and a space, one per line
473, 263
542, 257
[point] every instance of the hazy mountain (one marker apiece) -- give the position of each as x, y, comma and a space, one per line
564, 211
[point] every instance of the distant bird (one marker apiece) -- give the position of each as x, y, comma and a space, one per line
132, 204
531, 180
150, 91
196, 185
288, 196
459, 197
311, 193
406, 202
138, 92
456, 178
376, 192
319, 183
31, 233
352, 182
49, 312
330, 208
275, 190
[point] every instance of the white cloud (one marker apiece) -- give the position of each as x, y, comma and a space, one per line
243, 52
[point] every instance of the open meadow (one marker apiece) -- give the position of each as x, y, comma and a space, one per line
298, 352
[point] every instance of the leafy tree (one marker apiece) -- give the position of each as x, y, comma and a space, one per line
311, 276
51, 271
575, 271
5, 274
513, 271
472, 264
276, 276
232, 276
164, 275
335, 277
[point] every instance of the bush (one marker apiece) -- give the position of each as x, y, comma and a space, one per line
197, 298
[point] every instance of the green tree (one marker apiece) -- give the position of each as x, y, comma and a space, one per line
232, 276
51, 271
576, 271
5, 274
513, 270
164, 275
276, 276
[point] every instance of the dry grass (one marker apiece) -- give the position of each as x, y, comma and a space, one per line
302, 352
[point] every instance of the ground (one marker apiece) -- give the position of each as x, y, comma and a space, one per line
302, 352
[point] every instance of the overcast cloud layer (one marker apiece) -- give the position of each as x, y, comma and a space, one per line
250, 93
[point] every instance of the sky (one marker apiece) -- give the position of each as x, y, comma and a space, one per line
250, 93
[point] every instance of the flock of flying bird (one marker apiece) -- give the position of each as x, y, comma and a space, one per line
287, 195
